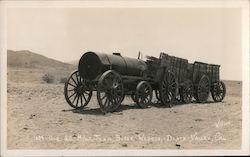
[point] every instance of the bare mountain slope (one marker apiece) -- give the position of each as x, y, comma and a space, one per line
28, 59
28, 67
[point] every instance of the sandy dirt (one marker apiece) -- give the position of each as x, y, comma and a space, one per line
40, 118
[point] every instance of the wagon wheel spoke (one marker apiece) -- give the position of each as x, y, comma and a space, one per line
84, 97
71, 90
75, 80
104, 97
74, 99
78, 77
74, 90
77, 100
72, 84
71, 95
106, 102
81, 99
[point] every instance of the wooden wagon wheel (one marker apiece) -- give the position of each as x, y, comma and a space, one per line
187, 92
143, 94
202, 89
110, 91
218, 91
167, 89
76, 92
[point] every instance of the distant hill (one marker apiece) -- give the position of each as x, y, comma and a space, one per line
28, 59
28, 67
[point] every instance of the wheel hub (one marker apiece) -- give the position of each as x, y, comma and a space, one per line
79, 89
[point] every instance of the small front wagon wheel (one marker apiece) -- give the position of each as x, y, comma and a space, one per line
218, 91
143, 94
110, 91
75, 91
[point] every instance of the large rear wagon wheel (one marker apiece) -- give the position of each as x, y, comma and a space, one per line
110, 91
202, 89
76, 92
167, 89
218, 91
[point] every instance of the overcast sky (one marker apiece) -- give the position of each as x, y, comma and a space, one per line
208, 35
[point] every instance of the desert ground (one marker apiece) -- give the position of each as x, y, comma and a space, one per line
40, 118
